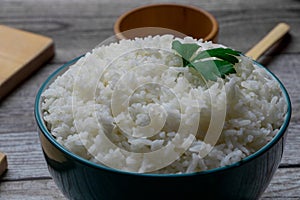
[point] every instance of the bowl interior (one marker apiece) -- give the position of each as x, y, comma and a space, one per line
42, 126
187, 20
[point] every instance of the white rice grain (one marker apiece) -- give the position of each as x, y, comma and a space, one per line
255, 107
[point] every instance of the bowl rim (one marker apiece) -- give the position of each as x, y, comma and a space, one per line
51, 139
215, 25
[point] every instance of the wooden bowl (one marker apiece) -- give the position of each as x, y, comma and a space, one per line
176, 19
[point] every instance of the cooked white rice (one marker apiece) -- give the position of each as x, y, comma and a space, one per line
80, 107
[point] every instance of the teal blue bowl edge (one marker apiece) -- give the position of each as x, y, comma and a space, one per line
48, 135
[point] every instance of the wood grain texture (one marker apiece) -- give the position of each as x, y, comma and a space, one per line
21, 53
77, 26
30, 190
92, 22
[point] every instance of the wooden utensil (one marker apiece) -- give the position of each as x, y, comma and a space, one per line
21, 53
3, 163
269, 40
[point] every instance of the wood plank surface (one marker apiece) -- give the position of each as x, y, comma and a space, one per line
77, 26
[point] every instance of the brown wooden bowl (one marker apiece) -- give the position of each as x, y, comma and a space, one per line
176, 19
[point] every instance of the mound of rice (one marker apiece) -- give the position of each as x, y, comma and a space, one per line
120, 89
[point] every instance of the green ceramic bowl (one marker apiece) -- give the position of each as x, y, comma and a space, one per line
78, 178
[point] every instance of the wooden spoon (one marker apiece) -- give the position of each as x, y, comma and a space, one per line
270, 39
3, 163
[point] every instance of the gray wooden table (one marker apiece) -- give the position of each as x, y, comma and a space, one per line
77, 26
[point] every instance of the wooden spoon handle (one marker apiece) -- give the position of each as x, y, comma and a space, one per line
3, 163
271, 38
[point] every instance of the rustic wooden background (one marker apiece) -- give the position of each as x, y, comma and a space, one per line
77, 26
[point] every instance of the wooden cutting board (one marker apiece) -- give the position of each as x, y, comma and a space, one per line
21, 53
